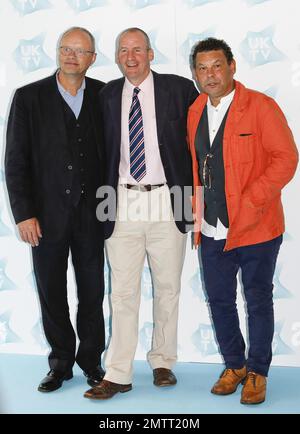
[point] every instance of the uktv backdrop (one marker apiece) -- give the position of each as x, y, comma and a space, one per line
265, 39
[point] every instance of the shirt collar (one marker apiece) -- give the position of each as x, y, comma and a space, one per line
145, 86
223, 101
64, 91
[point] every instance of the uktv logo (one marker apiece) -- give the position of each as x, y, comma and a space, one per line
258, 48
25, 7
191, 40
30, 55
85, 5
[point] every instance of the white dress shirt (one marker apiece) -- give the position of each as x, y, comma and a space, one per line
154, 169
215, 117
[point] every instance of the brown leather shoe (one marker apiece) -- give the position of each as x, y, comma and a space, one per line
163, 377
229, 381
107, 389
254, 390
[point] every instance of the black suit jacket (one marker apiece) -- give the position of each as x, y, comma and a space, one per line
173, 96
38, 154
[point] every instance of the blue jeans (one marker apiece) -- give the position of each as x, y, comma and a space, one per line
257, 263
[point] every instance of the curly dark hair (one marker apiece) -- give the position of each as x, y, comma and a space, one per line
211, 44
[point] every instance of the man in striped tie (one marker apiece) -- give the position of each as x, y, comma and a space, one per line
144, 114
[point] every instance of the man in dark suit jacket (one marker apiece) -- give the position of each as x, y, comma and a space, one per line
146, 156
54, 165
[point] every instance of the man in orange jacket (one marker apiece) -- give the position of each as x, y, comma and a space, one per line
243, 154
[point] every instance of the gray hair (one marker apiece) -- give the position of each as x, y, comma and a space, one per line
133, 29
81, 29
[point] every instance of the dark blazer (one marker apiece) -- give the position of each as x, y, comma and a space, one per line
38, 154
173, 96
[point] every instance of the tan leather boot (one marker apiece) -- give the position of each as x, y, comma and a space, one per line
229, 381
254, 390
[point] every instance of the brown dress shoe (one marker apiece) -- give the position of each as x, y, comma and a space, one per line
107, 389
163, 377
229, 381
254, 390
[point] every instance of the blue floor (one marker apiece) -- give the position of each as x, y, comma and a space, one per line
20, 375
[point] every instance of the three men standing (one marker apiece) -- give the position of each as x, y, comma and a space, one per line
242, 155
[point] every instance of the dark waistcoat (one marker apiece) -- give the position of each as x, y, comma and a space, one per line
214, 197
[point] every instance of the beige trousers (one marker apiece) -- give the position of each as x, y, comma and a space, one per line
144, 226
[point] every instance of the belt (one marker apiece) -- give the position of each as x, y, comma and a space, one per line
141, 187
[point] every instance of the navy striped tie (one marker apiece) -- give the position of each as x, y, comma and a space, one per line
136, 139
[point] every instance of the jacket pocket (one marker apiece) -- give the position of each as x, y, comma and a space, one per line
248, 217
244, 147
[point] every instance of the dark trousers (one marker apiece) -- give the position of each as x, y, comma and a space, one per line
83, 238
257, 263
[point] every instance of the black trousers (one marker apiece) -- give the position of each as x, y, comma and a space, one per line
84, 239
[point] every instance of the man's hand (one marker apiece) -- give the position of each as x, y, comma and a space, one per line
30, 231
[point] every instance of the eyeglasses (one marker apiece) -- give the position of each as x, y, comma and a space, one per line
206, 172
79, 52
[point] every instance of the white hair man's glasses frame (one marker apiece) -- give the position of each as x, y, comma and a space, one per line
78, 52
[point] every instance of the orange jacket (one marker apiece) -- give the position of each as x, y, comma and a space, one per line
260, 157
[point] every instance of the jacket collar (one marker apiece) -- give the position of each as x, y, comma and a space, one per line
239, 102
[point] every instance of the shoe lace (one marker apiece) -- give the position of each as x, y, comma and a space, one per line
227, 372
251, 377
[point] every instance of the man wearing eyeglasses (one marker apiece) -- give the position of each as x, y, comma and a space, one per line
54, 165
243, 154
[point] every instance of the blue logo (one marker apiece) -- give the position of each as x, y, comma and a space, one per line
7, 336
145, 335
258, 48
5, 283
204, 340
140, 4
159, 58
280, 291
85, 5
25, 7
30, 55
101, 59
191, 40
279, 347
195, 3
